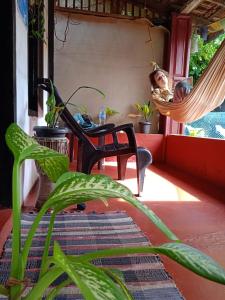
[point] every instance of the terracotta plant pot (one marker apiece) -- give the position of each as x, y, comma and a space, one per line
145, 127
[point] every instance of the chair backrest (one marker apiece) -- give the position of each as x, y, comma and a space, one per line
65, 114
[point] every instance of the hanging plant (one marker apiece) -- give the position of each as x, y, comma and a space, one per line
36, 19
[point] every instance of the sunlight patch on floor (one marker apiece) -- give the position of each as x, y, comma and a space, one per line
156, 187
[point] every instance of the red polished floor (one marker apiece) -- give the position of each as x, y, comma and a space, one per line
196, 215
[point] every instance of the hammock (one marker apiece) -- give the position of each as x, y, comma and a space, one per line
207, 94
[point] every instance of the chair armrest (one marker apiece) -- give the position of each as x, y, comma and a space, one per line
100, 128
127, 128
123, 127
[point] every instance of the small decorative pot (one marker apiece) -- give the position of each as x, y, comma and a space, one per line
53, 138
145, 127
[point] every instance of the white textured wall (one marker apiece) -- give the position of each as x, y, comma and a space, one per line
110, 54
29, 174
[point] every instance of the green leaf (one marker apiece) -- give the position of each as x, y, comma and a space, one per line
56, 290
50, 118
24, 147
86, 187
145, 109
54, 166
68, 175
92, 281
51, 99
194, 260
200, 60
52, 115
17, 140
115, 272
4, 291
187, 256
82, 188
110, 112
117, 277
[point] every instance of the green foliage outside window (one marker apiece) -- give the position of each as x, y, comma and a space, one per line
200, 60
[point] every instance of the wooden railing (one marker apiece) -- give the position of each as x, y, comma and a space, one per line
120, 8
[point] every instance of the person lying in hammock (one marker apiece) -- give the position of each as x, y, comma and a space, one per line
160, 88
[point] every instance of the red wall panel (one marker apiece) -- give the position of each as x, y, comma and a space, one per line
154, 142
201, 157
178, 64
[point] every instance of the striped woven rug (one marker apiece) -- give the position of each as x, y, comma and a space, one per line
78, 233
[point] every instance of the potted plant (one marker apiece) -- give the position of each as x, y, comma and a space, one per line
52, 128
145, 111
53, 136
53, 113
73, 188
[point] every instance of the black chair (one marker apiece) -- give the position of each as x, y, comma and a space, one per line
89, 154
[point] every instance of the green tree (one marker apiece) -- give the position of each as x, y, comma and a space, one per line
200, 60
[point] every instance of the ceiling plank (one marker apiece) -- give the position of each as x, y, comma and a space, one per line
197, 21
190, 6
216, 14
217, 2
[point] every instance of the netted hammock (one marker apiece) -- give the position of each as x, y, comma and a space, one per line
207, 94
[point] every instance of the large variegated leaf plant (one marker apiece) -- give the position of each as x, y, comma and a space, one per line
74, 188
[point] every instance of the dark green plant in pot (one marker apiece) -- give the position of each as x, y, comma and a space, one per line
73, 188
53, 111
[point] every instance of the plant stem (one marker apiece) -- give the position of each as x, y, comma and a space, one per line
79, 88
30, 236
39, 288
114, 252
16, 233
58, 288
44, 266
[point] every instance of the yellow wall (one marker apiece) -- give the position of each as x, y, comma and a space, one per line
110, 54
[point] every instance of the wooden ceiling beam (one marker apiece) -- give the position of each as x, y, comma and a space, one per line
198, 21
158, 7
216, 14
217, 2
190, 6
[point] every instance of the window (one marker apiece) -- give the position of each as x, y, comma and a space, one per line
211, 125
